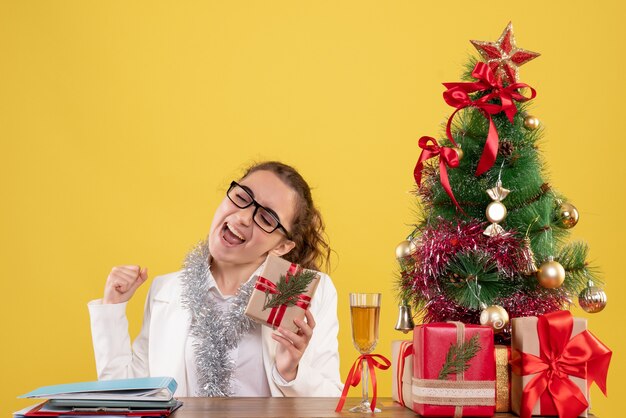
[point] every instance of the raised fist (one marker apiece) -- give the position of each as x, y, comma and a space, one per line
122, 283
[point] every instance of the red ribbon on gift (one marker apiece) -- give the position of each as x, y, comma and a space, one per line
354, 377
583, 356
458, 97
447, 157
278, 312
406, 350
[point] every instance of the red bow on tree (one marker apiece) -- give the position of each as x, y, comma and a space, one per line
458, 97
583, 356
447, 157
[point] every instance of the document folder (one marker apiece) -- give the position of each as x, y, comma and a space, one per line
137, 389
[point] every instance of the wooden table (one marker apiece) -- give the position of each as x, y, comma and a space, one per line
285, 407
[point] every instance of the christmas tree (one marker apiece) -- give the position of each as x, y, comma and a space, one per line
492, 240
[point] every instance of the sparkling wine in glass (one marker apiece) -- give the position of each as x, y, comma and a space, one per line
365, 313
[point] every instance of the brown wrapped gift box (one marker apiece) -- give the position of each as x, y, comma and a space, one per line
401, 379
282, 316
526, 339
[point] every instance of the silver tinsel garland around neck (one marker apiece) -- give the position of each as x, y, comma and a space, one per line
216, 331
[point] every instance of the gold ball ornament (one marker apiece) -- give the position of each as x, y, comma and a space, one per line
531, 123
496, 212
551, 274
568, 215
592, 299
494, 316
404, 249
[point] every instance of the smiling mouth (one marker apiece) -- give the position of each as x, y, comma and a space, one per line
232, 236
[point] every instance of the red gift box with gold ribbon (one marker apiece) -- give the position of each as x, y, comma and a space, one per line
470, 392
266, 286
554, 361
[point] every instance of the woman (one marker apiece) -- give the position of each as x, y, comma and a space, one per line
194, 328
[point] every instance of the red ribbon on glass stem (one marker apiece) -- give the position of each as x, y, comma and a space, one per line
277, 313
354, 377
458, 97
448, 157
583, 356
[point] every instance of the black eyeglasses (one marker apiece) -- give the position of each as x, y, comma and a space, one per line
265, 218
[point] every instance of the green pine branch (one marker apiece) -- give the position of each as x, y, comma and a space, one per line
473, 279
458, 357
289, 290
573, 258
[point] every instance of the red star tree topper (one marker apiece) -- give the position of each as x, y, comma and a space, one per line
503, 56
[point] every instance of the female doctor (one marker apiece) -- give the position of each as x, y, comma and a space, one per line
194, 328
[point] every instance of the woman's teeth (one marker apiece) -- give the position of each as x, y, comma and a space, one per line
235, 233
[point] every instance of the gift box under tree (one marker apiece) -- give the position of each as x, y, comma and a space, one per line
453, 370
554, 362
503, 378
402, 371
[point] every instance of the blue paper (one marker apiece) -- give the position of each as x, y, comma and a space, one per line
143, 388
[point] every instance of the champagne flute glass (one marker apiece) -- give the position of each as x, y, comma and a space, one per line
365, 312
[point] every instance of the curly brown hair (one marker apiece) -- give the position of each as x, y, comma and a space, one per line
312, 250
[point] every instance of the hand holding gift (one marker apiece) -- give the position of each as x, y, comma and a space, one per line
291, 346
280, 299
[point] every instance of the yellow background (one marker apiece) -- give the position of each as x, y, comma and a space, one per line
122, 124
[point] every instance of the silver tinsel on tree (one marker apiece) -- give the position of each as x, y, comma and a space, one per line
216, 331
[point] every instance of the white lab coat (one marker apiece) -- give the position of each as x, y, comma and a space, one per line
159, 349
